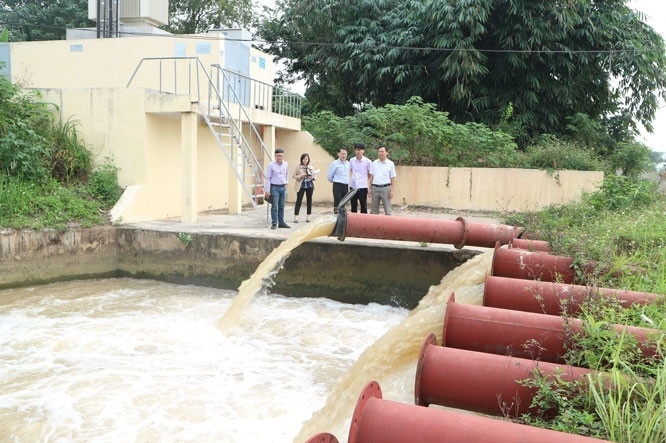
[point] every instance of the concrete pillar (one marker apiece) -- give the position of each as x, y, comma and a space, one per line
235, 187
269, 142
188, 138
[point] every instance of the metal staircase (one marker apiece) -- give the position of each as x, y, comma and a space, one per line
223, 110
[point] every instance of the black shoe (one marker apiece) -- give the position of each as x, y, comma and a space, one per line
283, 225
273, 226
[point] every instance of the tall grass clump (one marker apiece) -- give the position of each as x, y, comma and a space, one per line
630, 405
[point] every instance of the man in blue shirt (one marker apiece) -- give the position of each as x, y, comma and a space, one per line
277, 178
338, 174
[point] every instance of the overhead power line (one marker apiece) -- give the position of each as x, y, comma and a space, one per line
372, 46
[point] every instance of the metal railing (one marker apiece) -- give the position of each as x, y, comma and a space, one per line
227, 126
259, 95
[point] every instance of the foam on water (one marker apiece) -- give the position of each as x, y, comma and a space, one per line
136, 361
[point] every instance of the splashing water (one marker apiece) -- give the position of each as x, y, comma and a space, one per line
262, 278
392, 359
124, 360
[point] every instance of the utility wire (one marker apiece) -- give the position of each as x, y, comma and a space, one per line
347, 45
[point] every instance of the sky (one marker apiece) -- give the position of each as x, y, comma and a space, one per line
653, 10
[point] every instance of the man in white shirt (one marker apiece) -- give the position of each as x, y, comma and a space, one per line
360, 172
381, 182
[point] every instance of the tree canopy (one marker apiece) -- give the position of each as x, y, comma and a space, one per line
32, 20
546, 61
197, 16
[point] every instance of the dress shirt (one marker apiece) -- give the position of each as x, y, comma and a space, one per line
277, 174
359, 172
338, 172
382, 172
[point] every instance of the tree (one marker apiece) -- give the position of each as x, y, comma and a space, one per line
197, 16
32, 20
475, 59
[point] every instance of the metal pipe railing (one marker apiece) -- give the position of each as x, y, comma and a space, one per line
222, 107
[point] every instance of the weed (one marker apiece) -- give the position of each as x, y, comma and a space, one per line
184, 238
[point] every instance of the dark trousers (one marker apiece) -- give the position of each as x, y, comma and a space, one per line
299, 200
339, 191
361, 197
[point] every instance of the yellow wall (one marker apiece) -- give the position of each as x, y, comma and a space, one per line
297, 143
491, 189
101, 63
146, 146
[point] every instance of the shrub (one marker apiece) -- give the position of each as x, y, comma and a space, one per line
552, 153
103, 184
416, 134
620, 192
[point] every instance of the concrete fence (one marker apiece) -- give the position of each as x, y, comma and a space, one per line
473, 189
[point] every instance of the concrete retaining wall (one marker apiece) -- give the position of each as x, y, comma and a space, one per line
30, 257
349, 273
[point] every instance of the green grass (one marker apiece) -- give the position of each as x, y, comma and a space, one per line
33, 205
622, 229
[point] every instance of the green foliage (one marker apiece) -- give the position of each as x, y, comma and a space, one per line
184, 238
584, 131
32, 20
415, 134
620, 226
27, 204
552, 153
4, 36
561, 405
67, 157
620, 192
198, 16
46, 171
32, 146
550, 62
597, 345
632, 159
24, 127
103, 185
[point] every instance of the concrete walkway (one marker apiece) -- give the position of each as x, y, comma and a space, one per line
255, 224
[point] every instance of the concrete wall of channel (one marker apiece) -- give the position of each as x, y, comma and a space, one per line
351, 273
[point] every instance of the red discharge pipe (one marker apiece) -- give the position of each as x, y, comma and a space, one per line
517, 263
383, 421
553, 298
481, 382
530, 245
323, 437
523, 334
458, 232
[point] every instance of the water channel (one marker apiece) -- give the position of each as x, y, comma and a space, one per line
126, 360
